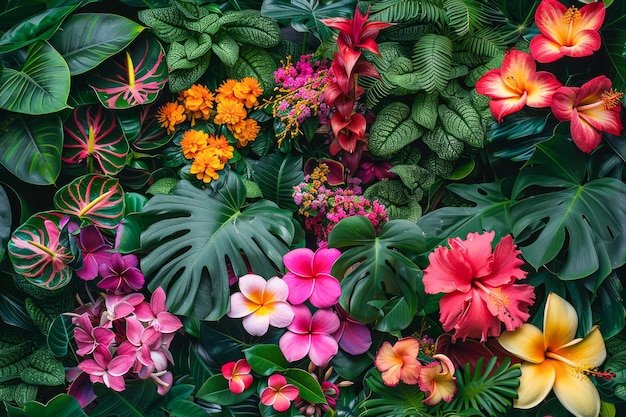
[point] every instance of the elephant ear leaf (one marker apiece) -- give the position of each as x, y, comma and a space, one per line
197, 238
580, 220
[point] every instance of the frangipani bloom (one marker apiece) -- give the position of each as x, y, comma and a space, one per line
309, 276
95, 250
399, 362
120, 274
238, 375
109, 371
515, 84
261, 303
592, 109
279, 394
156, 315
557, 360
479, 286
437, 379
353, 337
310, 335
566, 32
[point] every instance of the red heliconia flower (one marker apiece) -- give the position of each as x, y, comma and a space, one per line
592, 109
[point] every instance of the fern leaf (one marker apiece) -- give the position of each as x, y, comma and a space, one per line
458, 16
395, 11
487, 42
432, 59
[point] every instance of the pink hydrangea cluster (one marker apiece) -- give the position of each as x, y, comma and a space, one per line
300, 92
324, 205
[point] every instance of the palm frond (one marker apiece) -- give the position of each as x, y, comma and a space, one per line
406, 10
432, 60
488, 41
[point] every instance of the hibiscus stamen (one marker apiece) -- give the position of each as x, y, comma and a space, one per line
498, 299
571, 17
598, 374
611, 99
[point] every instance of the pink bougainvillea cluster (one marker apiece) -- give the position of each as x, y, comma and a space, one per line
324, 205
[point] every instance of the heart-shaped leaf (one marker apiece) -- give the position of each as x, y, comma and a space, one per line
86, 40
62, 405
60, 334
36, 252
94, 139
133, 77
93, 198
266, 359
277, 174
43, 77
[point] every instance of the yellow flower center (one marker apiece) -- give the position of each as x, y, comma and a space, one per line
611, 99
570, 19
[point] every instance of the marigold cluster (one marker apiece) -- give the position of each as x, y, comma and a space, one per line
323, 205
208, 152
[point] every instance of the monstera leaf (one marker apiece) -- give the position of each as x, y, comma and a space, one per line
379, 269
196, 237
134, 77
583, 220
94, 199
94, 138
37, 252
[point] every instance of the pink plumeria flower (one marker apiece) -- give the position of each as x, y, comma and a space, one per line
261, 303
119, 306
104, 369
353, 337
310, 335
94, 249
279, 394
120, 274
139, 344
156, 315
238, 375
88, 337
309, 276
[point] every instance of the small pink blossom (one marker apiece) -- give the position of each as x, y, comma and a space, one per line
109, 371
94, 250
120, 274
238, 375
88, 337
310, 335
279, 394
156, 315
119, 306
309, 276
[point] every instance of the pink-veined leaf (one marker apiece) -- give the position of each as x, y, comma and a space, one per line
36, 251
142, 128
133, 77
94, 138
94, 199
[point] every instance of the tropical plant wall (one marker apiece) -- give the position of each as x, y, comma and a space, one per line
312, 207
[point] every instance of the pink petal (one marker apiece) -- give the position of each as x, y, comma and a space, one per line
355, 338
157, 301
294, 346
477, 251
448, 271
563, 103
324, 321
324, 259
116, 383
541, 87
468, 315
256, 324
282, 314
300, 289
240, 306
323, 348
299, 262
168, 322
302, 319
505, 267
277, 288
253, 287
326, 291
584, 135
91, 367
119, 365
502, 108
545, 50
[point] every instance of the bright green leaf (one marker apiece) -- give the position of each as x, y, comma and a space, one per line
266, 359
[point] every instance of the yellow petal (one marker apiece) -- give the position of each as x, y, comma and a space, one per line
560, 322
535, 384
576, 391
588, 352
525, 342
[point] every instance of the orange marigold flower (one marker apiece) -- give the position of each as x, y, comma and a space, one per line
222, 148
198, 101
247, 91
193, 141
170, 115
206, 165
230, 112
245, 131
225, 91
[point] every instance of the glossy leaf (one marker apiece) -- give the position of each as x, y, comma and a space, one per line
370, 265
142, 129
266, 359
38, 27
401, 400
95, 140
308, 386
133, 77
36, 252
5, 221
196, 237
60, 335
87, 39
277, 174
94, 199
216, 390
140, 398
62, 405
13, 312
41, 85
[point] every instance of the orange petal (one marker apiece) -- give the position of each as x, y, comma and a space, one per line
576, 391
525, 342
549, 20
589, 351
560, 322
541, 87
535, 384
516, 68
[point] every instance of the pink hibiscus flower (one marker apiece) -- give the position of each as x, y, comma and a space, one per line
309, 277
479, 288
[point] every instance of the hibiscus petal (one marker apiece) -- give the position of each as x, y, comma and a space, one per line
516, 69
323, 348
588, 351
447, 271
502, 108
505, 267
469, 315
535, 384
584, 135
562, 105
560, 322
541, 87
492, 85
545, 50
549, 20
525, 342
576, 391
584, 44
294, 346
592, 16
326, 292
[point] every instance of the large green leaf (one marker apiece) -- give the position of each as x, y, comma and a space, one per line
254, 62
393, 130
374, 262
86, 40
432, 59
197, 236
277, 174
30, 148
140, 398
614, 44
385, 401
5, 221
40, 86
583, 219
62, 405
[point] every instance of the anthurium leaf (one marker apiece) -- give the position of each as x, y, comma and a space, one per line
276, 174
225, 48
93, 198
60, 334
36, 253
308, 386
62, 405
257, 63
250, 27
43, 77
30, 148
393, 130
490, 212
167, 23
87, 39
216, 390
196, 237
43, 369
373, 262
134, 77
266, 359
95, 140
584, 218
38, 27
